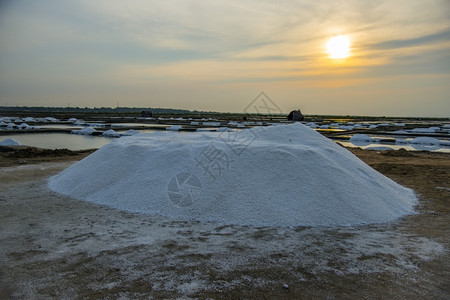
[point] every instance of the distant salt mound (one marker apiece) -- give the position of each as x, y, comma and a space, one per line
285, 175
361, 140
111, 133
84, 131
426, 141
10, 142
174, 128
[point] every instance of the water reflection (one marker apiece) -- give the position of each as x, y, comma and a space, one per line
60, 140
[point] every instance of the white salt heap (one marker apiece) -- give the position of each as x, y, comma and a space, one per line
362, 140
84, 131
10, 142
285, 175
111, 133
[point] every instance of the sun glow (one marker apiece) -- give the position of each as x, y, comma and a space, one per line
338, 47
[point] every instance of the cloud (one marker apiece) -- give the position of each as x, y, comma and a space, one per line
433, 38
126, 46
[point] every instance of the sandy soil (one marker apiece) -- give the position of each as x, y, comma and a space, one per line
20, 155
54, 246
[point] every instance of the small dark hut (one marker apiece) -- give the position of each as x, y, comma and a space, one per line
295, 115
146, 113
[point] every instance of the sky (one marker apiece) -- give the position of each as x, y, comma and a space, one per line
220, 55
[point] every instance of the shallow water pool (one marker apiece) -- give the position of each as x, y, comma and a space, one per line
60, 140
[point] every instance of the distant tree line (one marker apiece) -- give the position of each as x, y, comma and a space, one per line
96, 109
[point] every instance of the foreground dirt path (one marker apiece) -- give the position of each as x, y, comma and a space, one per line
53, 246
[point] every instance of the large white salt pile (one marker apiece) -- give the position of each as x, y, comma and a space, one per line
285, 175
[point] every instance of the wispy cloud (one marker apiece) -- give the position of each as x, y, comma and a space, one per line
433, 38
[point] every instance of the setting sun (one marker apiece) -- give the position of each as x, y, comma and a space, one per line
338, 47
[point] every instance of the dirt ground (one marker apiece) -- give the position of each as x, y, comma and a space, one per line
20, 155
56, 247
